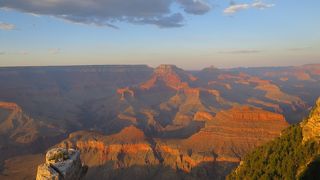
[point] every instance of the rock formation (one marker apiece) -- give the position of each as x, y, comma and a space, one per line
170, 75
202, 116
61, 164
293, 155
227, 137
20, 134
123, 91
233, 133
182, 118
311, 128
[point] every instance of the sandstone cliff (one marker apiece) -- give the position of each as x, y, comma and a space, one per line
293, 155
233, 133
227, 137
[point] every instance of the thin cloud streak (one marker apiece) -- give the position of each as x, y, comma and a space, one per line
244, 51
7, 26
234, 8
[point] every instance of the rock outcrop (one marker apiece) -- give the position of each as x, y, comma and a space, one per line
61, 164
227, 137
169, 75
202, 116
311, 128
124, 91
231, 134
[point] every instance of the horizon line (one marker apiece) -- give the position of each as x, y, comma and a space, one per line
150, 66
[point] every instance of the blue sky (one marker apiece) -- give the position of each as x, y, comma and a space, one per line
192, 34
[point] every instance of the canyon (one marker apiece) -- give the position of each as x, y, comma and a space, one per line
210, 153
138, 121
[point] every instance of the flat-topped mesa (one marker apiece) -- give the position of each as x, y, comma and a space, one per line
62, 164
165, 68
311, 129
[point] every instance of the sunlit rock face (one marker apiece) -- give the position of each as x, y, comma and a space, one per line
169, 75
61, 164
225, 139
311, 129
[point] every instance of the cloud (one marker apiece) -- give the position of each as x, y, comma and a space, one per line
261, 5
7, 26
243, 51
2, 53
234, 8
195, 6
175, 20
110, 12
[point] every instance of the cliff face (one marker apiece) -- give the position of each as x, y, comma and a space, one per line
21, 134
227, 137
233, 133
130, 151
124, 149
311, 128
61, 164
19, 127
174, 100
296, 153
169, 75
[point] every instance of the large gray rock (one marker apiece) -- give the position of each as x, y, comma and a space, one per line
61, 164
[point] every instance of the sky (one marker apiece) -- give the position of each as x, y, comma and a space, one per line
191, 34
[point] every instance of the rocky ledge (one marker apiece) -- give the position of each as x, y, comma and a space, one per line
62, 164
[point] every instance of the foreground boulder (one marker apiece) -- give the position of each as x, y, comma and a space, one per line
61, 164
